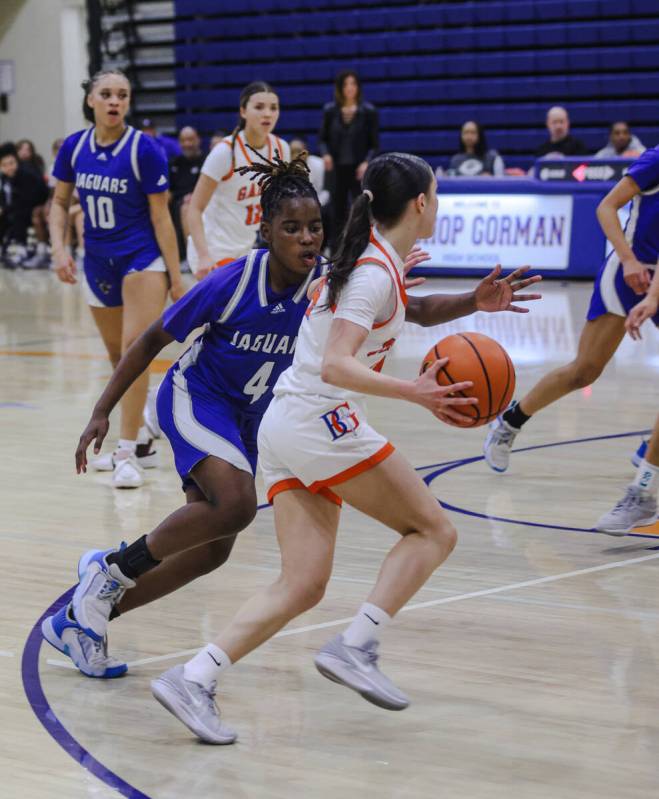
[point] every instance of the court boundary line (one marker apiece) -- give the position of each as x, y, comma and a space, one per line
30, 659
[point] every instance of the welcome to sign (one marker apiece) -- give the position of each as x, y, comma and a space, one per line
481, 230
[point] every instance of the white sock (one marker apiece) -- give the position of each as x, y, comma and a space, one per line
143, 436
647, 477
125, 448
207, 665
366, 626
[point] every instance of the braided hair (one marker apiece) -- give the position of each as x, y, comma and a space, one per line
280, 181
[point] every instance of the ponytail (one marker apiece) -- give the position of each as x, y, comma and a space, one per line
390, 182
354, 240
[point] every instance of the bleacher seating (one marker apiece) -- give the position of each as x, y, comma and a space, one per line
427, 66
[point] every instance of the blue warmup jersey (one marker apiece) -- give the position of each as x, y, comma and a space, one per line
250, 333
611, 294
113, 183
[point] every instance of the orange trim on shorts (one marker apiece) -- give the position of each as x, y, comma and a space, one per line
292, 484
353, 471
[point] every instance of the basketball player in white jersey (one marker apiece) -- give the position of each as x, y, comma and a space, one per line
318, 450
224, 214
225, 207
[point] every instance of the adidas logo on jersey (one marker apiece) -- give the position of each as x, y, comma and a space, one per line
102, 157
279, 308
162, 181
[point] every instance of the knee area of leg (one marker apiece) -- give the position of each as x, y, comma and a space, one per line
304, 595
584, 375
444, 535
235, 514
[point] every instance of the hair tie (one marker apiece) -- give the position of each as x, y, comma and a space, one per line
369, 194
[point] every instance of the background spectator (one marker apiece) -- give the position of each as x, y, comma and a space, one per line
560, 141
29, 158
20, 193
473, 157
317, 175
622, 144
316, 168
348, 139
216, 138
169, 146
32, 162
184, 172
55, 148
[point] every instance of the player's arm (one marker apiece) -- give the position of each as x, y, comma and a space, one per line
163, 228
637, 276
341, 368
203, 191
132, 364
58, 222
493, 293
645, 309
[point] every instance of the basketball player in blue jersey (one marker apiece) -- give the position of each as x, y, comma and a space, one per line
623, 280
210, 406
638, 505
130, 243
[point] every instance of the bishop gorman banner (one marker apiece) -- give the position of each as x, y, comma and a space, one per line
480, 230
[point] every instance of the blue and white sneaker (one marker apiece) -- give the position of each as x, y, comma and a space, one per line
499, 443
101, 587
91, 657
638, 456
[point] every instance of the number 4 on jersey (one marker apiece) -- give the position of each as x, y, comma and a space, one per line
257, 385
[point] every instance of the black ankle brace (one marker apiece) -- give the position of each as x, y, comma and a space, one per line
134, 560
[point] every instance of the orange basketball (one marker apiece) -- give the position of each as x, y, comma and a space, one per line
481, 359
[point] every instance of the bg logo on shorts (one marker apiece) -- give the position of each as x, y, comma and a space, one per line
341, 420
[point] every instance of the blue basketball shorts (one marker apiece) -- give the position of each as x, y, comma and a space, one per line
104, 276
198, 425
611, 294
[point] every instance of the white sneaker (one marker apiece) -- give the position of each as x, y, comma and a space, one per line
146, 456
498, 444
127, 473
151, 412
636, 509
90, 657
99, 590
193, 705
357, 668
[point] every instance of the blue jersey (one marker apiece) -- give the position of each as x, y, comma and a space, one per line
642, 229
250, 333
113, 183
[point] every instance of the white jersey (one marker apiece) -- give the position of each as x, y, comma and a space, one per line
233, 214
373, 297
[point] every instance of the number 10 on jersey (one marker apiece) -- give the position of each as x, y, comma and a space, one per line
101, 212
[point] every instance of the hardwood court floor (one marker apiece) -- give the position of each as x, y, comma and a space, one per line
531, 657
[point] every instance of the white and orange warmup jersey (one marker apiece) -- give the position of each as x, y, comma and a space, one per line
315, 435
233, 214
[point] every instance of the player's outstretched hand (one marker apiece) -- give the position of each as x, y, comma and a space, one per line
645, 309
97, 429
443, 401
636, 275
65, 267
496, 293
176, 290
414, 257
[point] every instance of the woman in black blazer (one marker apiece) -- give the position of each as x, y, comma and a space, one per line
348, 139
